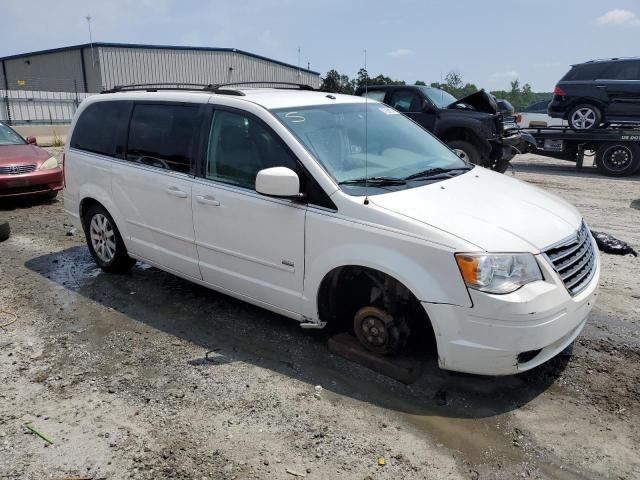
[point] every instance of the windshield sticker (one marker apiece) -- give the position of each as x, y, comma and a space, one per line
388, 111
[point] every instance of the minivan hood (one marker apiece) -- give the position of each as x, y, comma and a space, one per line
481, 101
490, 210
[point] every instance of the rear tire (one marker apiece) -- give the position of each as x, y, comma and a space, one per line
618, 159
105, 242
466, 151
584, 117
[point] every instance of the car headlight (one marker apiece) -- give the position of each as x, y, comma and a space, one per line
52, 162
499, 273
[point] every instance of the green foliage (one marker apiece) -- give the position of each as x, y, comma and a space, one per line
520, 97
334, 82
420, 83
363, 79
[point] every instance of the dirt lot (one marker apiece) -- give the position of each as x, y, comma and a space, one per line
112, 370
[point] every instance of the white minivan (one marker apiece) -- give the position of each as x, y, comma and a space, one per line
332, 209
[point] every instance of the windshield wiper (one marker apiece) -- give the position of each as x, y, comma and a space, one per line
376, 181
432, 172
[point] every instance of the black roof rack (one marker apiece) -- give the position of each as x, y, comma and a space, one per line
301, 86
156, 87
218, 88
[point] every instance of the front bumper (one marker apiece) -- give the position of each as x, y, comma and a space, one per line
509, 334
507, 147
38, 182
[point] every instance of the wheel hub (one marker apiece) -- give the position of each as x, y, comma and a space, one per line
619, 158
379, 332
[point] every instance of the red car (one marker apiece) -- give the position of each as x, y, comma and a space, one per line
25, 168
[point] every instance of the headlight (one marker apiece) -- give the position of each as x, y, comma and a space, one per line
502, 273
52, 162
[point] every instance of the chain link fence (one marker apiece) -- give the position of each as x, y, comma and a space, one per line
25, 107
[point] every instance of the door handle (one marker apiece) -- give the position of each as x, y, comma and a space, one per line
601, 86
176, 192
207, 200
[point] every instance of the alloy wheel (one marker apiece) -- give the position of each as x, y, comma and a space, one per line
102, 237
584, 118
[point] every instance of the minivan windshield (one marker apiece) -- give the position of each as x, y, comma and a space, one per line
399, 152
9, 137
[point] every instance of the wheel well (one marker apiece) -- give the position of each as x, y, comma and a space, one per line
346, 289
85, 204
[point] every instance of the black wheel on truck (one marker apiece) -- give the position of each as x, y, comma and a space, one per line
465, 151
618, 159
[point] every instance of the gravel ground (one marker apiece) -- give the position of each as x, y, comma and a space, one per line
148, 376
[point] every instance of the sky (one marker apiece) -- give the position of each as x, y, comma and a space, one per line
490, 42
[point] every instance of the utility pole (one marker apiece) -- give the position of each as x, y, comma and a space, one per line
93, 58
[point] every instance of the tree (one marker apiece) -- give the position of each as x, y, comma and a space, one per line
421, 83
455, 85
454, 80
335, 82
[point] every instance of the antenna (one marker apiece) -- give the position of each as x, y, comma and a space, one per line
366, 131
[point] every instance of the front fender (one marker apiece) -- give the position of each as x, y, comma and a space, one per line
429, 271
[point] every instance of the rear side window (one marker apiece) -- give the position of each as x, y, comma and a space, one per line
628, 70
161, 135
99, 128
405, 101
587, 71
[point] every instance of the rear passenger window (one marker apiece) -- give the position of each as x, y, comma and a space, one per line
623, 71
100, 128
240, 146
161, 135
405, 101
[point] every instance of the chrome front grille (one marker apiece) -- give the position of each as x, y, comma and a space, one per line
17, 169
574, 260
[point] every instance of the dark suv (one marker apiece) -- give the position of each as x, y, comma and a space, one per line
473, 126
597, 92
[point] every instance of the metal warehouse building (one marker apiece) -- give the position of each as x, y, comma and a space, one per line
93, 67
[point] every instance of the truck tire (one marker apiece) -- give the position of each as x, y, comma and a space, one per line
584, 117
618, 159
5, 231
466, 151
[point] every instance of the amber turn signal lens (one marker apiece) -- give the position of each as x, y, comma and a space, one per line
468, 267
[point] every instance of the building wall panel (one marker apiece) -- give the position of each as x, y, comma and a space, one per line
125, 66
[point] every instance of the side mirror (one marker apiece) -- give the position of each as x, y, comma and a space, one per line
32, 141
278, 182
